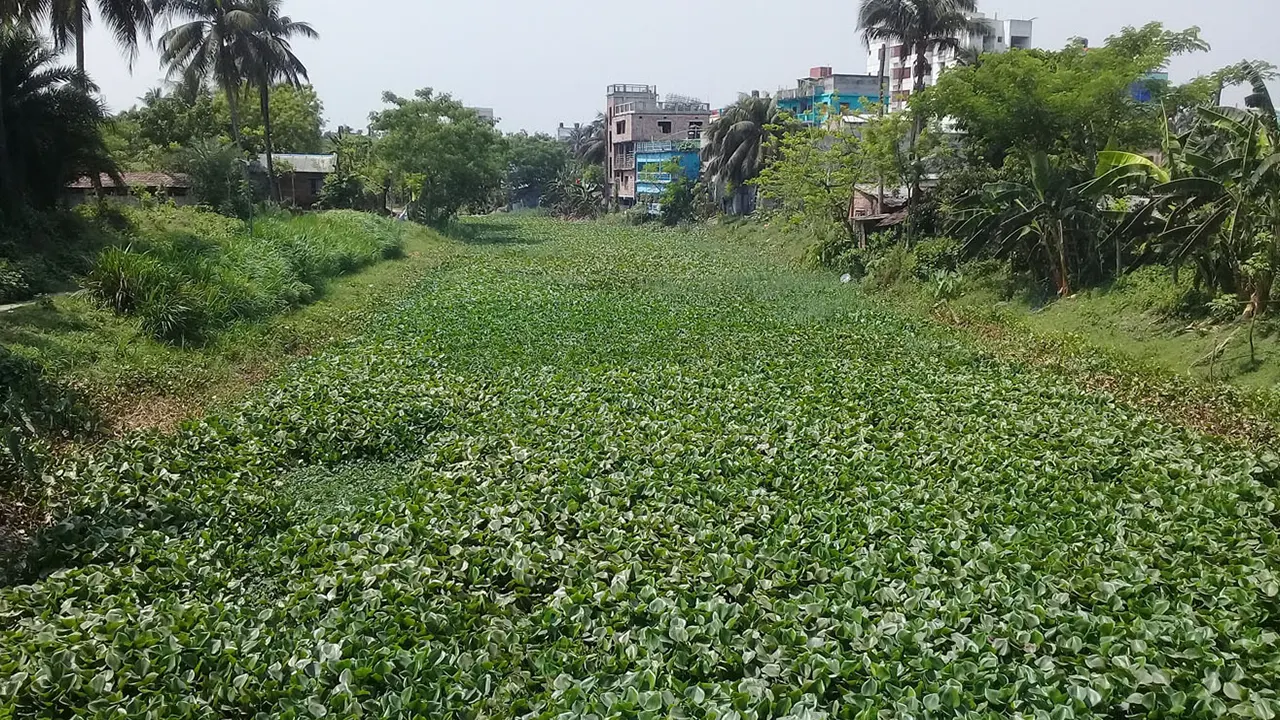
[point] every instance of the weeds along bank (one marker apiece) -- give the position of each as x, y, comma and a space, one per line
599, 470
178, 280
185, 273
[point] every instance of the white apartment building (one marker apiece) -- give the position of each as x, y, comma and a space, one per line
1000, 36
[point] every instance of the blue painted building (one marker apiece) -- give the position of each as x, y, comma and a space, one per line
823, 94
653, 160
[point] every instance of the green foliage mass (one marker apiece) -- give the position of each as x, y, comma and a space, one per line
152, 134
813, 176
185, 273
534, 162
445, 156
1072, 102
597, 470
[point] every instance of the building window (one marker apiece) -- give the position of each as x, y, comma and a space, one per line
622, 127
664, 127
316, 184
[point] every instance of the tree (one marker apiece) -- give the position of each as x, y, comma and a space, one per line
738, 144
50, 124
444, 155
297, 119
1070, 103
270, 60
218, 177
533, 164
213, 44
589, 142
920, 26
129, 21
813, 178
361, 182
578, 193
145, 136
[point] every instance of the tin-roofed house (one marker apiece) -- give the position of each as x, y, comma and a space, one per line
301, 176
162, 185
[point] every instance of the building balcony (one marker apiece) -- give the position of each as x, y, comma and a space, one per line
654, 177
662, 107
626, 162
668, 146
626, 89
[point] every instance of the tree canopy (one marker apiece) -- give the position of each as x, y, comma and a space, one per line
534, 162
1074, 101
445, 156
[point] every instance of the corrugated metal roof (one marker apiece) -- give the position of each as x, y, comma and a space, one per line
303, 163
133, 179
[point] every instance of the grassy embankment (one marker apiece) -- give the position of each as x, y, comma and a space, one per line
239, 304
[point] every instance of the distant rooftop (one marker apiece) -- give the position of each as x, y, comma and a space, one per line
136, 179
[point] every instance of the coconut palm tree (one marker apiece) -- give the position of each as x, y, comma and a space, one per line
212, 42
737, 144
920, 26
271, 60
49, 122
589, 143
130, 22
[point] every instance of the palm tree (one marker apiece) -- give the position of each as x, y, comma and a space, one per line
271, 60
920, 26
49, 122
588, 142
1044, 220
129, 21
214, 43
737, 144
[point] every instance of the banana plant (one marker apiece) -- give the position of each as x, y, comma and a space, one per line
1215, 201
1048, 217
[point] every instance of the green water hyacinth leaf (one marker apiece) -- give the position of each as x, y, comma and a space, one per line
589, 470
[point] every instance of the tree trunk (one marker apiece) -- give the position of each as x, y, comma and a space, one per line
883, 102
95, 178
233, 104
8, 193
264, 97
1064, 278
917, 129
80, 41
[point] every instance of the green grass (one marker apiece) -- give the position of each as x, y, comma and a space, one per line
187, 274
1123, 318
592, 470
113, 358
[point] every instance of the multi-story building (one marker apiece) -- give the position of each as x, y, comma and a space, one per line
999, 36
661, 162
824, 93
634, 115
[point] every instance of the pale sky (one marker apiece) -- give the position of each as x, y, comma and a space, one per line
541, 63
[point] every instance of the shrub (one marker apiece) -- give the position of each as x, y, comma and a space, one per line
891, 267
219, 177
637, 216
187, 273
939, 254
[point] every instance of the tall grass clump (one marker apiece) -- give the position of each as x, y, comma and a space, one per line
185, 273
